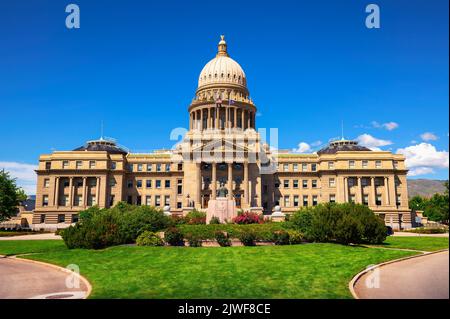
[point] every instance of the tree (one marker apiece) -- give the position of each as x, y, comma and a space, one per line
10, 196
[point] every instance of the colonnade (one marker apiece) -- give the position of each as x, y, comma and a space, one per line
223, 117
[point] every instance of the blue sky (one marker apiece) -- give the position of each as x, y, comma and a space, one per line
310, 65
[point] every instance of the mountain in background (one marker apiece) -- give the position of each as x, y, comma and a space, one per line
425, 187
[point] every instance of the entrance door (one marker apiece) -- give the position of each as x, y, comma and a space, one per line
205, 201
237, 199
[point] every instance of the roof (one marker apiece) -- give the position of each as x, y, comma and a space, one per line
102, 145
343, 145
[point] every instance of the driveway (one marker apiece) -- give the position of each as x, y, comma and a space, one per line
424, 277
32, 237
21, 279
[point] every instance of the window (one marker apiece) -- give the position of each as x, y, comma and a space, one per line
351, 182
66, 183
364, 181
351, 164
91, 164
158, 167
330, 165
92, 200
286, 183
352, 198
45, 200
286, 201
74, 218
277, 184
295, 182
138, 200
92, 182
139, 167
112, 182
399, 200
332, 182
180, 167
314, 183
305, 200
148, 183
79, 164
167, 183
158, 183
148, 200
314, 167
48, 165
42, 218
139, 183
365, 164
179, 205
149, 167
79, 183
167, 167
77, 200
46, 182
285, 167
111, 200
157, 200
167, 200
130, 184
130, 167
314, 200
113, 165
295, 200
378, 200
65, 200
377, 164
332, 198
180, 187
304, 167
295, 166
366, 199
305, 183
65, 164
61, 218
395, 164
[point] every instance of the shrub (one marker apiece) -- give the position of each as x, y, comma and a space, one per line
214, 220
196, 218
174, 237
148, 238
247, 238
222, 238
295, 237
281, 237
177, 220
247, 218
194, 241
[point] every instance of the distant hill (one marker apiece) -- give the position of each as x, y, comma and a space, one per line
425, 187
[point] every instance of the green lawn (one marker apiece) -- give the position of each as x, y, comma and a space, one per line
417, 243
15, 247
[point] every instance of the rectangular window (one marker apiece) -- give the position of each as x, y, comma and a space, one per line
179, 205
113, 165
366, 199
46, 182
399, 200
286, 183
157, 200
158, 183
332, 182
48, 165
332, 198
65, 200
295, 182
330, 165
167, 183
305, 200
286, 201
148, 183
364, 181
314, 200
77, 200
295, 200
92, 200
351, 164
148, 200
139, 167
352, 198
378, 200
130, 184
295, 166
304, 167
167, 200
395, 164
112, 182
138, 200
61, 218
42, 219
179, 187
149, 167
45, 200
365, 164
167, 167
286, 167
314, 167
79, 164
91, 164
180, 167
305, 183
158, 167
65, 164
139, 183
314, 183
130, 167
74, 218
377, 164
351, 182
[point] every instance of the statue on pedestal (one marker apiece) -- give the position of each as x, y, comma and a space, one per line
222, 191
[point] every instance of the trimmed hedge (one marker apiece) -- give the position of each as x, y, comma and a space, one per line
148, 238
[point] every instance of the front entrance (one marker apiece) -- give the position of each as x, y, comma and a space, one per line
205, 201
237, 199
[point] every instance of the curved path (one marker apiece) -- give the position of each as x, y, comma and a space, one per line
22, 279
423, 277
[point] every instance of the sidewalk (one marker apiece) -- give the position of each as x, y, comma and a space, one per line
33, 237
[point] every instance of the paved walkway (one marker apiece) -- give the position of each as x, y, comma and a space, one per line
406, 234
424, 277
21, 279
32, 237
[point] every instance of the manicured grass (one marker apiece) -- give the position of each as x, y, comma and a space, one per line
15, 247
298, 271
418, 243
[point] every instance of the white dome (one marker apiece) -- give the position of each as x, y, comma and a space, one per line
222, 69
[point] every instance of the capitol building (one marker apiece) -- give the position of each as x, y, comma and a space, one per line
222, 155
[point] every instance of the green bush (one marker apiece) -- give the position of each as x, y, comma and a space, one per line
214, 220
195, 217
148, 238
247, 238
194, 241
295, 237
427, 230
281, 237
222, 238
174, 237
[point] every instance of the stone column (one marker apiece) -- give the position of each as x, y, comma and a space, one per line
56, 197
359, 199
70, 192
393, 190
242, 118
226, 117
84, 204
345, 189
386, 191
216, 115
373, 191
201, 120
198, 197
213, 180
235, 116
230, 180
249, 115
209, 117
246, 194
97, 191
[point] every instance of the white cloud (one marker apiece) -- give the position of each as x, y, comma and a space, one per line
371, 142
428, 136
388, 126
423, 158
24, 173
316, 143
302, 148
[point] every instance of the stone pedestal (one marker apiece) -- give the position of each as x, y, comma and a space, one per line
277, 215
222, 208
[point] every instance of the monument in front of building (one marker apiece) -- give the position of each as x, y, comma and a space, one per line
221, 207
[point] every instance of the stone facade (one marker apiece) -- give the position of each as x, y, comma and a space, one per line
222, 146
